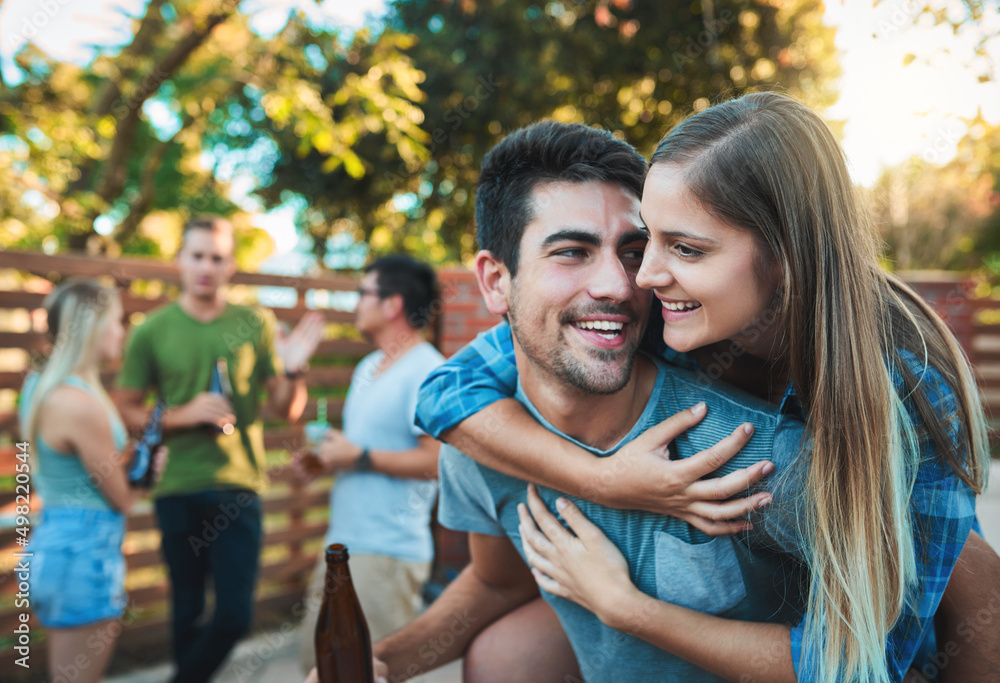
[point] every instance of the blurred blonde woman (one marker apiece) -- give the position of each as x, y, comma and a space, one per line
78, 444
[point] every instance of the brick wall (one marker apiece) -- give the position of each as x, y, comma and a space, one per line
950, 294
465, 313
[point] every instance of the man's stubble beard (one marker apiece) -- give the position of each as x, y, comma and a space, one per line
560, 362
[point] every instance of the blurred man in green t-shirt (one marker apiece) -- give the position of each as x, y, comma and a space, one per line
207, 502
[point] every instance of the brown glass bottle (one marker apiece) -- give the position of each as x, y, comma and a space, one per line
343, 644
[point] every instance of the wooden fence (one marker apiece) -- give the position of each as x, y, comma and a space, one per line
984, 351
295, 515
976, 323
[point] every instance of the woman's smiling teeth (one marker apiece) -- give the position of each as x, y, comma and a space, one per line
681, 305
605, 328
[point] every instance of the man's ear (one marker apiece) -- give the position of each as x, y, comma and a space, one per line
232, 267
494, 282
392, 307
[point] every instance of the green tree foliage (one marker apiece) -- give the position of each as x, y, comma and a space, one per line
377, 135
494, 65
945, 216
82, 144
964, 17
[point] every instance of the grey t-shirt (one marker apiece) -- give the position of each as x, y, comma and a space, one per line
370, 512
737, 577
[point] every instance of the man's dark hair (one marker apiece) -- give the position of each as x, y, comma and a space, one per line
416, 282
544, 152
209, 223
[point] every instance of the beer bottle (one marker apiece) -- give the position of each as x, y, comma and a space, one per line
220, 385
141, 471
314, 432
343, 644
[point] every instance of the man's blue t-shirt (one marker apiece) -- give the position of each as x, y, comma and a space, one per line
942, 506
373, 513
667, 557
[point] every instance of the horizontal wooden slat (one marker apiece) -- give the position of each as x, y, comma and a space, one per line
152, 558
277, 537
292, 502
141, 521
298, 534
8, 537
32, 300
20, 299
8, 422
148, 595
316, 377
9, 502
293, 315
9, 621
137, 304
344, 347
126, 270
273, 438
146, 521
12, 380
986, 357
296, 501
334, 409
38, 341
282, 571
332, 377
142, 559
283, 439
29, 341
282, 475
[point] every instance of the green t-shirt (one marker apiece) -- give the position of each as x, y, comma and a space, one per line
173, 354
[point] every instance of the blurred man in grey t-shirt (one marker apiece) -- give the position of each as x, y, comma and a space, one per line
380, 505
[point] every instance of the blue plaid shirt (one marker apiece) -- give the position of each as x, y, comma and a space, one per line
942, 507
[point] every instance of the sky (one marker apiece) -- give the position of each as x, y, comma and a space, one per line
892, 111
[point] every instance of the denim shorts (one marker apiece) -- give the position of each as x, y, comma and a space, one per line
77, 573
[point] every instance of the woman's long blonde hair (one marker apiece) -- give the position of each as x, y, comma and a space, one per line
766, 163
77, 311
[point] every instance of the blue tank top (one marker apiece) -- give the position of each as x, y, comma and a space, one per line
60, 479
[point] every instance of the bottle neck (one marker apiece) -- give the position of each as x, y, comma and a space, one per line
338, 575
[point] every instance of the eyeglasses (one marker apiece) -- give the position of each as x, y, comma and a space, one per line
374, 292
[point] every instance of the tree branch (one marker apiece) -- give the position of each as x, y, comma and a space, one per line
140, 46
147, 194
113, 178
69, 208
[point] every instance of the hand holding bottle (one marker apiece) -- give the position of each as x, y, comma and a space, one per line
149, 458
222, 386
206, 408
307, 463
316, 430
